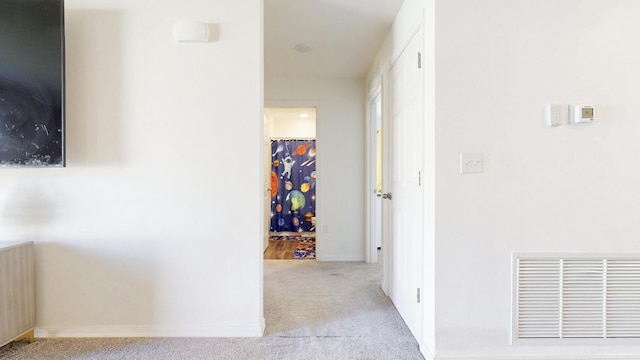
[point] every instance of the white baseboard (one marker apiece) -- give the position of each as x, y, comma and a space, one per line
144, 331
541, 357
426, 353
339, 258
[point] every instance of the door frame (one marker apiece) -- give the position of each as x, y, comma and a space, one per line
373, 219
308, 104
267, 179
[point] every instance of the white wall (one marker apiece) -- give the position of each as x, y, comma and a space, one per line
293, 128
568, 189
498, 63
340, 166
152, 225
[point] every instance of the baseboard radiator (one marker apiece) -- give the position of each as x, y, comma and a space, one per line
17, 292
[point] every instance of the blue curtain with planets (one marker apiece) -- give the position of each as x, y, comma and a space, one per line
293, 185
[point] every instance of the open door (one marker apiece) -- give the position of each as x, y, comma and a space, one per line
403, 194
374, 173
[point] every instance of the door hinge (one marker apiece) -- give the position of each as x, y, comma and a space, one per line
419, 178
418, 296
419, 60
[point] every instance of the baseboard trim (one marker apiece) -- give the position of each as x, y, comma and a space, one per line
542, 357
143, 331
424, 350
341, 258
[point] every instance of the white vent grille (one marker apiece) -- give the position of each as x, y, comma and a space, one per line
623, 299
539, 298
576, 297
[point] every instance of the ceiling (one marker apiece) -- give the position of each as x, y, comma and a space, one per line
345, 36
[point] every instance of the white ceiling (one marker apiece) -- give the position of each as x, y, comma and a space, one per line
345, 36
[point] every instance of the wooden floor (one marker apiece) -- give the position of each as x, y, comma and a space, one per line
280, 249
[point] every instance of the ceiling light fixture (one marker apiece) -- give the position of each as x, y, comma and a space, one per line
303, 48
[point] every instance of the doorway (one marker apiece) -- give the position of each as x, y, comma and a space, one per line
374, 171
290, 171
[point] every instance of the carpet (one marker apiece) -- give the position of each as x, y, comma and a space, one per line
313, 311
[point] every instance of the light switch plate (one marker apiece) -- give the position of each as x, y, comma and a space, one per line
470, 163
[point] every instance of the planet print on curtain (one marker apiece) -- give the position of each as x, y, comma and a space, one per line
293, 182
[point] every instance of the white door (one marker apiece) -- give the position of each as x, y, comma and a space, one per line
374, 172
406, 155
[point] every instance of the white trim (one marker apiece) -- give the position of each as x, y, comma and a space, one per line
263, 326
541, 357
148, 331
578, 342
372, 221
329, 258
424, 350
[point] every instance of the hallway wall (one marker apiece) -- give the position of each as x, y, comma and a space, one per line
340, 143
561, 190
137, 236
495, 65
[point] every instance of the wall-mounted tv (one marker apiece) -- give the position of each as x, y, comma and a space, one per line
32, 83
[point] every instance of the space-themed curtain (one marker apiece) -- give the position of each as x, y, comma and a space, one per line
293, 183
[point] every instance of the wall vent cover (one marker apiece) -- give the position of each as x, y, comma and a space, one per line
580, 297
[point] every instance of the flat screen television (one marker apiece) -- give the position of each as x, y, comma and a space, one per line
32, 83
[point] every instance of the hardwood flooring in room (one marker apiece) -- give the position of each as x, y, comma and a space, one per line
280, 249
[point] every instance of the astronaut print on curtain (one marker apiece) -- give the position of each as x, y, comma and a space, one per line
293, 184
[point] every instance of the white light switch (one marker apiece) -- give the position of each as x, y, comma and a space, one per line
470, 163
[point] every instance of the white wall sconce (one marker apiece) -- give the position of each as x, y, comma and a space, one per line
194, 32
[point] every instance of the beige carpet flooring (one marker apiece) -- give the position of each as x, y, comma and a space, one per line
313, 311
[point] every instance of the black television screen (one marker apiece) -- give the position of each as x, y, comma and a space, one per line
32, 83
